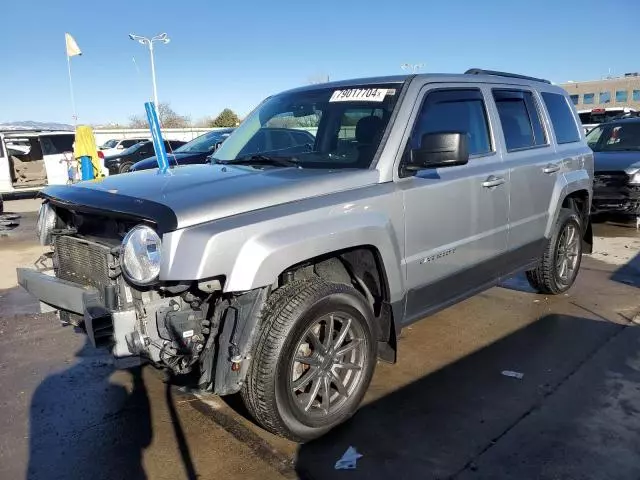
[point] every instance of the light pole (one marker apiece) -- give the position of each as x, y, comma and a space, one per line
149, 42
414, 67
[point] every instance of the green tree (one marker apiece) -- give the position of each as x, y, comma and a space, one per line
226, 118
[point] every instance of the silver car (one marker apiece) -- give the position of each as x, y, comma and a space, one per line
284, 269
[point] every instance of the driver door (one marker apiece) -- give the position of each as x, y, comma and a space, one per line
456, 217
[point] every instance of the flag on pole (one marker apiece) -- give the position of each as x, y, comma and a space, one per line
72, 46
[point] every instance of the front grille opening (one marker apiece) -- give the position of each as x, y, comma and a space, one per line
82, 261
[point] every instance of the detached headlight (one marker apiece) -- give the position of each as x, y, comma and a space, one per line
46, 223
140, 255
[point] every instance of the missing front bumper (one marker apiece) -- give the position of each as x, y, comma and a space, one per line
104, 327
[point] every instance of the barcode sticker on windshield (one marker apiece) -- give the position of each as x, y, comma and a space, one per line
359, 95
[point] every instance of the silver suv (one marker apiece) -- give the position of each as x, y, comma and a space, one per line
284, 268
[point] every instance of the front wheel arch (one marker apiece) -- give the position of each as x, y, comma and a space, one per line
288, 313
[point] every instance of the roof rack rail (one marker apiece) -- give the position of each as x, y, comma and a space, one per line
480, 71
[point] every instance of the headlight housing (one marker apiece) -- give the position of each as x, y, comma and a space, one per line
46, 223
140, 255
634, 177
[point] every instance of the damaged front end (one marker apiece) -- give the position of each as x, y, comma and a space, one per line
102, 276
616, 192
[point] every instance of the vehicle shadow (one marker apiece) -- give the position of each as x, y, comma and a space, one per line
84, 426
437, 426
518, 282
9, 221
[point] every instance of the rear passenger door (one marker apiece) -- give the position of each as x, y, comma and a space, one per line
456, 217
533, 168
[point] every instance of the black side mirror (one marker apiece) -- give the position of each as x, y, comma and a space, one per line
442, 149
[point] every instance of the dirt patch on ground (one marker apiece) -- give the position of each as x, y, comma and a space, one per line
616, 250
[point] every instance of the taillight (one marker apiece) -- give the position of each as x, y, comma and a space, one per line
101, 155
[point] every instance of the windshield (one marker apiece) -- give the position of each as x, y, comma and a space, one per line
134, 148
316, 128
110, 144
204, 143
615, 137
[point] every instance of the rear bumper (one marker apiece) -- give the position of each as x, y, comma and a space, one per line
104, 328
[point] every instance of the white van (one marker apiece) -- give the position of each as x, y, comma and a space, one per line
30, 160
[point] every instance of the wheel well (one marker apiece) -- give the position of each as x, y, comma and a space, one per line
579, 201
362, 268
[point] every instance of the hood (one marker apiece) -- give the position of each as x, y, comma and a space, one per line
175, 158
616, 161
201, 193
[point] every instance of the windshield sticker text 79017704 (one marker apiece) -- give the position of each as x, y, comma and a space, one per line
359, 95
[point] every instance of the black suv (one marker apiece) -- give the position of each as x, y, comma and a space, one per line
122, 162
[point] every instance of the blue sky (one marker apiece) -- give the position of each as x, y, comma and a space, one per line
234, 53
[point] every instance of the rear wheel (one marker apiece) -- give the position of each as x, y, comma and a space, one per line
313, 360
562, 256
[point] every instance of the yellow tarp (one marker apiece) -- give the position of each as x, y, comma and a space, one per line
85, 145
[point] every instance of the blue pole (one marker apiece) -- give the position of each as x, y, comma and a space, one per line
156, 134
86, 167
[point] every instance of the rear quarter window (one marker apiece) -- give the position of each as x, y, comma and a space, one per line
562, 118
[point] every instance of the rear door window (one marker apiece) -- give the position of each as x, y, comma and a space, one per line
562, 118
520, 119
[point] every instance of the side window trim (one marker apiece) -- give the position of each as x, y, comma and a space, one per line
538, 109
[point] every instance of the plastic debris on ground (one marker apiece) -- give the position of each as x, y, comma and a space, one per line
512, 374
348, 460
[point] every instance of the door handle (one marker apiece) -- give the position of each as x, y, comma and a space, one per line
551, 168
493, 181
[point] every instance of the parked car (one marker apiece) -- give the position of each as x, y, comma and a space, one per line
616, 183
123, 162
591, 118
115, 146
195, 151
32, 159
284, 272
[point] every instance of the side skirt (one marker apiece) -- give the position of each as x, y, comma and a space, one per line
439, 295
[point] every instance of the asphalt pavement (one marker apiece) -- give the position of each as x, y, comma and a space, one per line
445, 410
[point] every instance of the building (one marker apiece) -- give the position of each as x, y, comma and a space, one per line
610, 92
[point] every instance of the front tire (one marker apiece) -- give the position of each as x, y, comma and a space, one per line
562, 256
313, 360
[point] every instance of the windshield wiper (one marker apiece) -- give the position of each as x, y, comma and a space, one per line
261, 160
